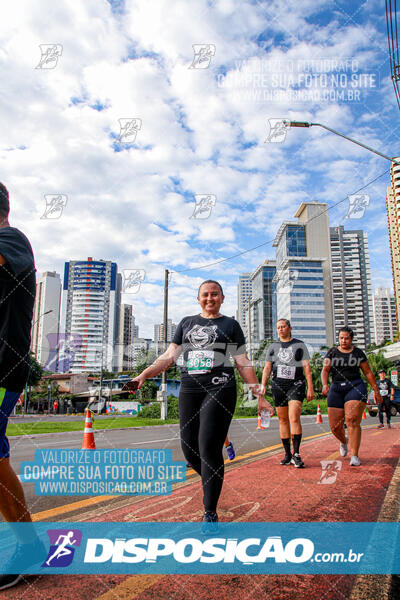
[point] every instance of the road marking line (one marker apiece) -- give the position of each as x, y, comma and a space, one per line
333, 456
138, 582
153, 441
65, 508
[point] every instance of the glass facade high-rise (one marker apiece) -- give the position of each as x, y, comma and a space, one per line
262, 305
303, 275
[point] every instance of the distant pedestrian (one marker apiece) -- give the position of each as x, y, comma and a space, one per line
386, 389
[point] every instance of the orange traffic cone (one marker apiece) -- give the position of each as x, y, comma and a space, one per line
319, 416
88, 437
364, 414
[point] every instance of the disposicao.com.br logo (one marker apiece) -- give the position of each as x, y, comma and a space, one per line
192, 550
237, 547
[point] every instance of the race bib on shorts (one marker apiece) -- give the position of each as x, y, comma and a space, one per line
285, 372
200, 361
384, 392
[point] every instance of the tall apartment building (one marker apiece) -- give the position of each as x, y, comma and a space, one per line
384, 309
244, 293
261, 313
159, 331
46, 318
351, 280
138, 347
127, 332
393, 215
303, 278
159, 334
90, 315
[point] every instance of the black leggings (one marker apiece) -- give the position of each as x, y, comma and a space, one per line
205, 416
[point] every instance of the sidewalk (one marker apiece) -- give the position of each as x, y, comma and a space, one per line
256, 490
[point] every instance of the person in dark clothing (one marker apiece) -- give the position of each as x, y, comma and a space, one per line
17, 295
207, 395
347, 395
386, 389
288, 361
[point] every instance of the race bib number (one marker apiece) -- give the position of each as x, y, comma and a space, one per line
285, 372
200, 361
384, 392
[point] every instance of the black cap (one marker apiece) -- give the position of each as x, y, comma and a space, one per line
382, 371
4, 201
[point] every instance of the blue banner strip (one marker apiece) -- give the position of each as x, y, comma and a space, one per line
182, 548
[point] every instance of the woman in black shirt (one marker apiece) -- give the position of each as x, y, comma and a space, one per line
207, 398
347, 395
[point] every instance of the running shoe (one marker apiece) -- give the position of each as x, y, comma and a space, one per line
380, 426
296, 461
287, 460
210, 523
389, 426
355, 461
26, 555
343, 448
231, 451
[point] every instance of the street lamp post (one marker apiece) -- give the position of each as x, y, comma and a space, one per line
49, 397
346, 137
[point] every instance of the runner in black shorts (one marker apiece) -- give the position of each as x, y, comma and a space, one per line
347, 396
207, 396
288, 360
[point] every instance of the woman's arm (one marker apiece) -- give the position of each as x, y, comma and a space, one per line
325, 376
247, 373
366, 369
266, 374
308, 374
162, 363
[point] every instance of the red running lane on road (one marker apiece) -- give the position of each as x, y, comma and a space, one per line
261, 490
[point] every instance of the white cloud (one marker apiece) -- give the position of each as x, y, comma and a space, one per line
206, 133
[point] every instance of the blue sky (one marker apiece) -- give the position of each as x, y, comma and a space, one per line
191, 131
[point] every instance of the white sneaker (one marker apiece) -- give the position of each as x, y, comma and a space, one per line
355, 461
343, 449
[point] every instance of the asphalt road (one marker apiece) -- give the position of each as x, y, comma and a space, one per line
243, 432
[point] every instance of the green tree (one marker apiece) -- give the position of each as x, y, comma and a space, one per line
36, 371
378, 361
316, 364
259, 355
148, 391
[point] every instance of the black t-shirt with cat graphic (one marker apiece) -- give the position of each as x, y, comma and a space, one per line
287, 361
208, 347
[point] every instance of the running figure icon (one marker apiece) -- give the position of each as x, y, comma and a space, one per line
62, 546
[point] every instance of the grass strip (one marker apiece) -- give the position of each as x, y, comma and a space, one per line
60, 426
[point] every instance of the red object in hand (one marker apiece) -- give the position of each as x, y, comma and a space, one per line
131, 387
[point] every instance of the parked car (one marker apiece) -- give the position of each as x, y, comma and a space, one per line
372, 408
